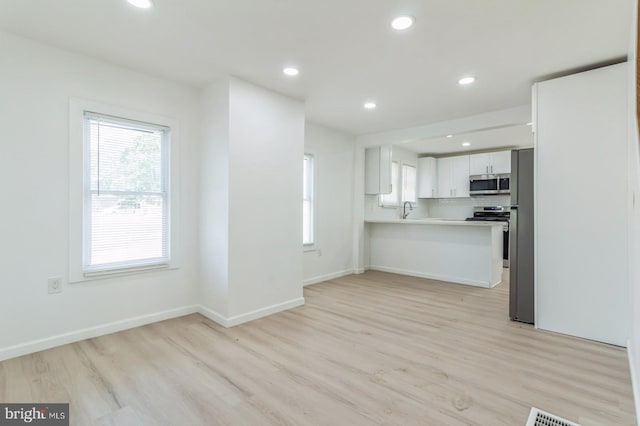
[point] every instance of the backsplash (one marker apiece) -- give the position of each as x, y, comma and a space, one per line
461, 208
372, 209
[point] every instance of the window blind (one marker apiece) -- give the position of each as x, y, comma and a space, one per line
126, 194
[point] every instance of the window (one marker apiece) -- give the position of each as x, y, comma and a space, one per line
307, 201
392, 199
403, 185
125, 217
409, 181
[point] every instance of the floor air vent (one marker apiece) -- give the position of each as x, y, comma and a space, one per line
541, 418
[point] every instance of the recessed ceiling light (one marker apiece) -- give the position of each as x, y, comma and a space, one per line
466, 143
449, 136
402, 22
466, 80
142, 4
291, 72
370, 105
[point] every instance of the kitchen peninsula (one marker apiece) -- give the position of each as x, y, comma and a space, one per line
457, 251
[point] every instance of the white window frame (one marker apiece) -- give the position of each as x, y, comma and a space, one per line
78, 191
403, 183
311, 199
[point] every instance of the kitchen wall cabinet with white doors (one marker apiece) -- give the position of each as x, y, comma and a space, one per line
453, 177
377, 170
427, 177
490, 163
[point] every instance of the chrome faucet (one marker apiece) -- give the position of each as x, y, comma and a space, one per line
405, 213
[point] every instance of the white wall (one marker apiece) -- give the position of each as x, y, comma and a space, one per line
265, 206
331, 255
581, 250
634, 219
251, 212
36, 83
239, 160
214, 198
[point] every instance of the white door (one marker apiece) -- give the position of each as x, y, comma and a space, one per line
479, 164
501, 162
461, 176
445, 184
385, 169
427, 177
581, 252
377, 172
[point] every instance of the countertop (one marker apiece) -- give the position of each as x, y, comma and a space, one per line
435, 221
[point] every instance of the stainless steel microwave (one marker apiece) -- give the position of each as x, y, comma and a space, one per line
489, 184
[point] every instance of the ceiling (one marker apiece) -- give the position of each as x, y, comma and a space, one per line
510, 137
345, 49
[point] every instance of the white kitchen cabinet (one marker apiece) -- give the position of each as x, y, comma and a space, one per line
377, 170
461, 176
453, 177
490, 163
501, 162
445, 177
427, 177
479, 164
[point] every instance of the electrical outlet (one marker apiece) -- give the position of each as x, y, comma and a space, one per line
55, 285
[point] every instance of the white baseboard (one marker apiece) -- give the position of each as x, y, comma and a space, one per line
88, 333
213, 316
263, 312
114, 327
631, 355
327, 277
437, 277
359, 270
249, 316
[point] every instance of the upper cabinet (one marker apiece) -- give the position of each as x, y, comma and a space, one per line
377, 171
427, 177
490, 163
501, 162
479, 164
453, 177
461, 176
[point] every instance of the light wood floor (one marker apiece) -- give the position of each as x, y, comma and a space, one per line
375, 348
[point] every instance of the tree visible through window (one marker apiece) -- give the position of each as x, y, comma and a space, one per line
126, 194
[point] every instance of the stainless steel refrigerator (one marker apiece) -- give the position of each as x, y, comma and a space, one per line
521, 248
